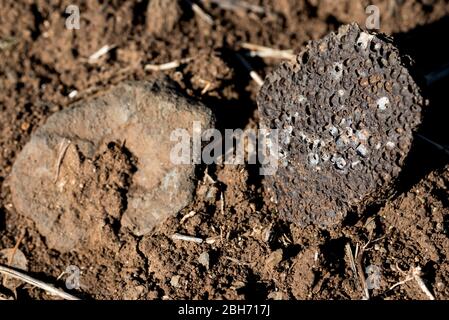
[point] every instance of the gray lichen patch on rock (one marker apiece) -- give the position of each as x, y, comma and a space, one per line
353, 107
104, 164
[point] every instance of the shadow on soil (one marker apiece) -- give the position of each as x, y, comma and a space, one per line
428, 47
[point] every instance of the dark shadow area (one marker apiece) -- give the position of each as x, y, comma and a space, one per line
428, 47
38, 20
236, 113
255, 290
23, 293
352, 218
214, 257
441, 194
282, 228
2, 219
446, 225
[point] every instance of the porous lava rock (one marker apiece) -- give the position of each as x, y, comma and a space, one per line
347, 108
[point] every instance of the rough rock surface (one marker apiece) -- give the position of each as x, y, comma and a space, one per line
105, 164
347, 109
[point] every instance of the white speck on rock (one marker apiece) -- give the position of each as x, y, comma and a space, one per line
304, 137
382, 103
286, 135
364, 40
333, 131
390, 145
342, 141
362, 134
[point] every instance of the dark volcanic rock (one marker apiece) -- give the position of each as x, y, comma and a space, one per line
347, 108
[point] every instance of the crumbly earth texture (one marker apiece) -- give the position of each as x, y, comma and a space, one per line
346, 111
252, 252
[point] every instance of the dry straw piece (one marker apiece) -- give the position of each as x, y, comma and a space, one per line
346, 110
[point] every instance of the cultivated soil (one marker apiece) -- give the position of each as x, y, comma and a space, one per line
249, 250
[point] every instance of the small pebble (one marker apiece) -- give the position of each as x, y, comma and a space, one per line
203, 259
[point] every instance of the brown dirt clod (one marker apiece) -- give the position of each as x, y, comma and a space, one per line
105, 164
